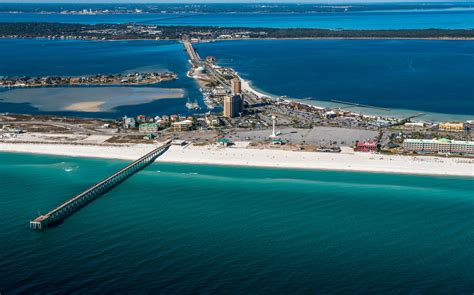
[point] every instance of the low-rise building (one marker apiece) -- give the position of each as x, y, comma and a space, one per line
219, 91
129, 122
165, 118
148, 127
185, 125
330, 115
443, 146
174, 118
179, 142
149, 136
224, 142
213, 121
414, 124
452, 126
470, 124
141, 119
366, 146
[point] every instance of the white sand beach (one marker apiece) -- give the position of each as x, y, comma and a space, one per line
247, 86
86, 106
216, 155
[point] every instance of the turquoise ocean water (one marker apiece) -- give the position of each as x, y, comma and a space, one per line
208, 229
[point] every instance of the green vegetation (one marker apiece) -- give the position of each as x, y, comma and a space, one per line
135, 31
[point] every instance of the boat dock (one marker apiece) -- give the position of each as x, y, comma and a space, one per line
67, 208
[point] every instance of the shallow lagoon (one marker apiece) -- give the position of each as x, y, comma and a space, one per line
87, 99
40, 57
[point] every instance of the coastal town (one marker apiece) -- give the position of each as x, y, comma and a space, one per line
145, 31
241, 119
272, 147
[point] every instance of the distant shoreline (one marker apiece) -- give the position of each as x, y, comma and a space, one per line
137, 31
354, 38
257, 39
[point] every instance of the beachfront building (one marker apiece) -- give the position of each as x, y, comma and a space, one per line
141, 119
233, 105
442, 146
414, 124
174, 118
148, 127
366, 146
129, 122
452, 126
185, 125
224, 142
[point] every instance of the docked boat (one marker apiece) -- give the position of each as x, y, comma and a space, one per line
192, 105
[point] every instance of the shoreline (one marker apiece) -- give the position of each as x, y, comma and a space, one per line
349, 38
247, 85
255, 39
264, 158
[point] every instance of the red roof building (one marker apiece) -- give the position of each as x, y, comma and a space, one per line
366, 146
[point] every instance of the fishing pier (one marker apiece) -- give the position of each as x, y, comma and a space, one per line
67, 208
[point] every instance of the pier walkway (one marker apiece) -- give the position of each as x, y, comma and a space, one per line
67, 208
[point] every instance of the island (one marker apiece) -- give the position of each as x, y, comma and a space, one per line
136, 78
140, 31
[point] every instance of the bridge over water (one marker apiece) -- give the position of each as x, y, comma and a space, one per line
67, 208
196, 61
192, 53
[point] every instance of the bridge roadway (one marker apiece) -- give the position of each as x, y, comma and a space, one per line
193, 55
67, 208
196, 61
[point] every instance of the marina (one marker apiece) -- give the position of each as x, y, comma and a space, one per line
192, 105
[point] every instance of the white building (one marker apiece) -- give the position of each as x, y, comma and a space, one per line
443, 145
414, 124
129, 122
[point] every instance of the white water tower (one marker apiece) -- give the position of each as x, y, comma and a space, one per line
274, 123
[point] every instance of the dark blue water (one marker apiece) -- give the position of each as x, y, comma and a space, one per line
34, 57
206, 229
430, 76
462, 18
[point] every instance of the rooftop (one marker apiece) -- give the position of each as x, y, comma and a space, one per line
437, 141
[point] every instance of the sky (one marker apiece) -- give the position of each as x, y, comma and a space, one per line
226, 1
